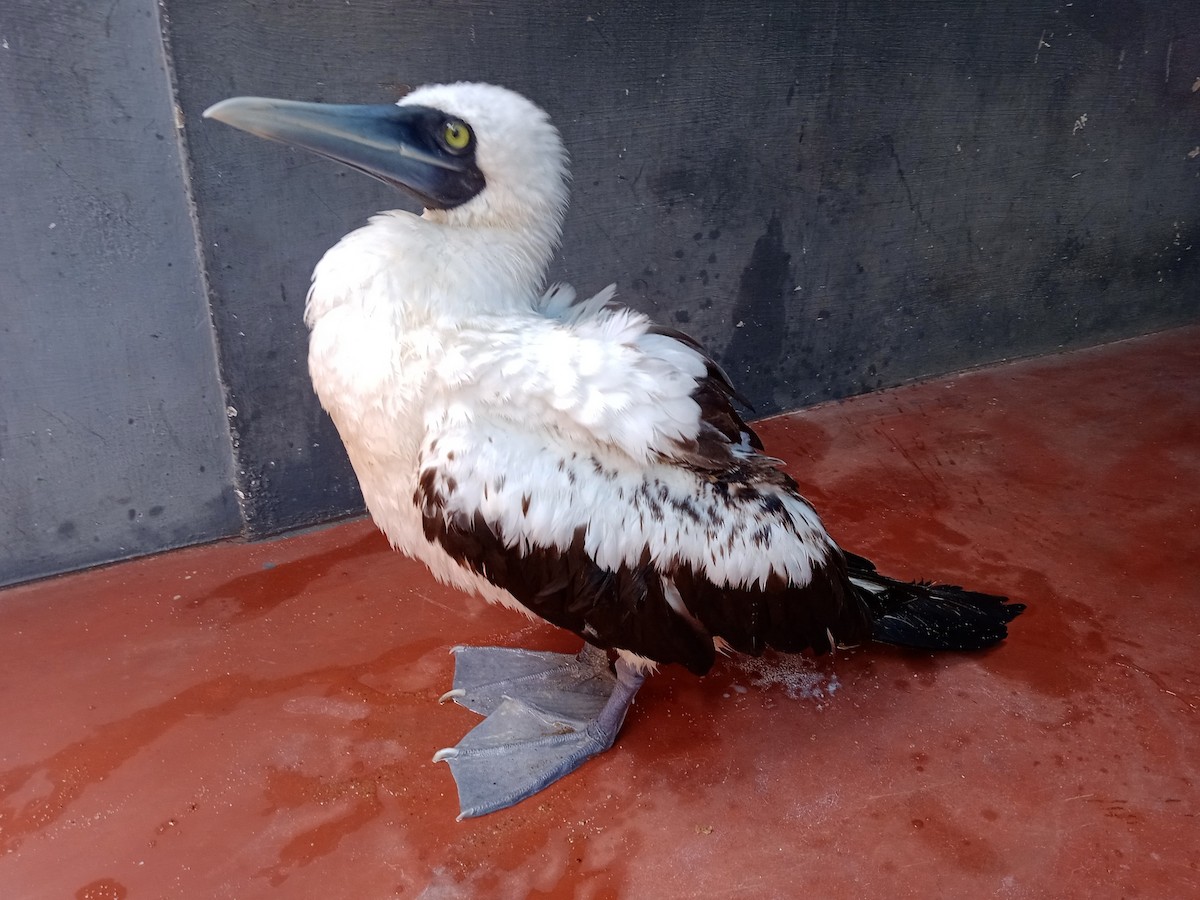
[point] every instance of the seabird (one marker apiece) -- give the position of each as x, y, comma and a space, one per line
569, 459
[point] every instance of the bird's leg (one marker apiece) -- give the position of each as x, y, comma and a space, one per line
546, 714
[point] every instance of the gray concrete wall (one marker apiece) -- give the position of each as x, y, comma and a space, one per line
113, 440
835, 196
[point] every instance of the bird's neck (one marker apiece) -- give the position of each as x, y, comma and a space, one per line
426, 269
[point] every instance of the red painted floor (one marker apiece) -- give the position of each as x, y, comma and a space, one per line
243, 721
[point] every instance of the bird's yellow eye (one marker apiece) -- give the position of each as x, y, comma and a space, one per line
457, 135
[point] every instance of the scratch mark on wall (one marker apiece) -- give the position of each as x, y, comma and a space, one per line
1040, 45
600, 32
912, 203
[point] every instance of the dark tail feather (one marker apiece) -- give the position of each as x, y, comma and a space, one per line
930, 616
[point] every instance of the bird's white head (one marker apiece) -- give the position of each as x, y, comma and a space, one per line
517, 150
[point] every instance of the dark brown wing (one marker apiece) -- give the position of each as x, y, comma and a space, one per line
722, 428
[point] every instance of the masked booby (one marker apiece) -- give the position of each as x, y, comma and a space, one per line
571, 460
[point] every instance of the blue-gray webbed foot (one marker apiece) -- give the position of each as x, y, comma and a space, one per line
546, 714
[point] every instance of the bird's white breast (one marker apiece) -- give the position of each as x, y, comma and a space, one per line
386, 312
374, 354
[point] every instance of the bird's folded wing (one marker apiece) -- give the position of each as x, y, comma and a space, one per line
656, 559
601, 376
